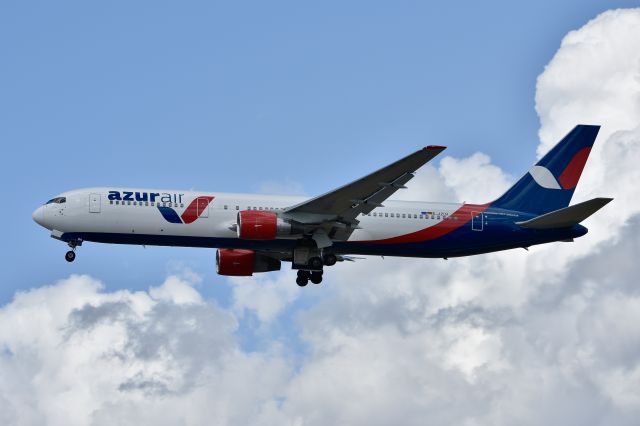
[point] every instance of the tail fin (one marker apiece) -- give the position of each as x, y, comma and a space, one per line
549, 185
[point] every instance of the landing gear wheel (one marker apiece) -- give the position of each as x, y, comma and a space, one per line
316, 277
70, 256
315, 263
303, 278
330, 259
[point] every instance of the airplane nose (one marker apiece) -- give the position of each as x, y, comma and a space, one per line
38, 215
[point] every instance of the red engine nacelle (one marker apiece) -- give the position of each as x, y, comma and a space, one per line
261, 225
244, 263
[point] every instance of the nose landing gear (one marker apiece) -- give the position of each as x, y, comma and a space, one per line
70, 256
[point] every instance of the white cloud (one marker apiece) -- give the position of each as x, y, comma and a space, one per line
265, 295
549, 336
73, 354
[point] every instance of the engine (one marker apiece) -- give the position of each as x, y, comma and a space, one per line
261, 225
244, 263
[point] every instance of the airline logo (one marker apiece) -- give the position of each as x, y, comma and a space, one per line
568, 178
193, 211
544, 177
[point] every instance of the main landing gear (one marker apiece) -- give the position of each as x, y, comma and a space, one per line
70, 256
309, 260
314, 273
305, 276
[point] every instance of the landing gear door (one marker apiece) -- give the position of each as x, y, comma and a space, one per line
202, 206
94, 203
477, 220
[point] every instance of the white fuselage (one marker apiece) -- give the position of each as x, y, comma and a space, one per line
82, 214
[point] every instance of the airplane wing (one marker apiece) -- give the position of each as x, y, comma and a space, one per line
344, 204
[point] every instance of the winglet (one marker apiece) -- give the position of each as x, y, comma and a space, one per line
434, 147
566, 217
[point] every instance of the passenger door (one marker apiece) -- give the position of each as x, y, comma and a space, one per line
477, 221
202, 207
94, 203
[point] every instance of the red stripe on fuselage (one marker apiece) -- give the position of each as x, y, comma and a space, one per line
456, 220
571, 174
195, 209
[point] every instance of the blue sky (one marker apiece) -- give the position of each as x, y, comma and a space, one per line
229, 96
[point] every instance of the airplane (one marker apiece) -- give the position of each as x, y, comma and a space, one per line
255, 233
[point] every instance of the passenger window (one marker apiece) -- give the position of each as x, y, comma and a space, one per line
386, 215
237, 207
404, 215
225, 207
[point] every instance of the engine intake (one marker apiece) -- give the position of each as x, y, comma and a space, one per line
244, 263
261, 225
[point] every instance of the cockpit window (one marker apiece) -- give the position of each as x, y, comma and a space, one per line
57, 200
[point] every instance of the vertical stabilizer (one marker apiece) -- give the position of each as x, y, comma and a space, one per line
550, 183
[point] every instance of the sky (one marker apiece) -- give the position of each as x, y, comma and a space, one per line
296, 98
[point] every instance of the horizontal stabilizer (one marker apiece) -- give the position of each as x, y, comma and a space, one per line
566, 217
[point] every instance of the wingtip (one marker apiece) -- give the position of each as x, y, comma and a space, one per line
435, 147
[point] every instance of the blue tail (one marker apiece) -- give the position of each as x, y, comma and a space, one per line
549, 185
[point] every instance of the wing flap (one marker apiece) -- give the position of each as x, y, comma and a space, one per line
566, 217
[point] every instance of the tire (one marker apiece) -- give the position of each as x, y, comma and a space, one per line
70, 256
330, 259
316, 277
301, 281
316, 263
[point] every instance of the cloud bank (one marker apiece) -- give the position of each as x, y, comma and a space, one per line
548, 336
